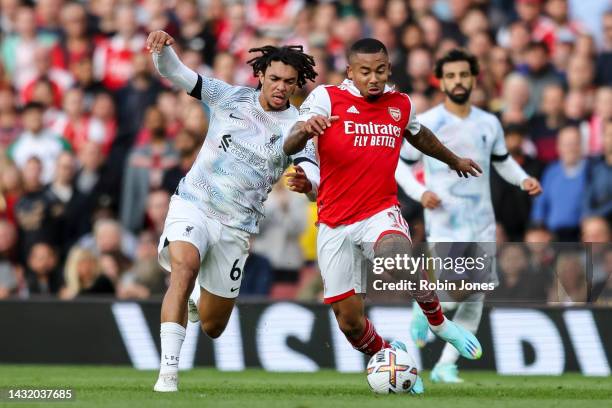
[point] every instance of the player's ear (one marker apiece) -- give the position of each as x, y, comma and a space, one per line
349, 72
261, 76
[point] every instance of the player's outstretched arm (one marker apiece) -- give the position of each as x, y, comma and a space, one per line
513, 173
159, 43
429, 144
302, 131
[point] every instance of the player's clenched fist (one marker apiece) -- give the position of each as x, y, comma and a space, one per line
298, 182
157, 40
531, 186
430, 200
465, 167
316, 125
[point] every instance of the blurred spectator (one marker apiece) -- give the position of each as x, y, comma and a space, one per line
59, 79
75, 44
279, 232
33, 211
602, 113
10, 271
512, 206
603, 294
580, 73
90, 179
103, 110
545, 125
10, 191
109, 236
563, 182
69, 210
75, 125
83, 275
518, 282
515, 96
42, 273
258, 275
135, 98
196, 34
598, 195
596, 232
155, 15
145, 170
113, 265
604, 59
114, 57
187, 144
19, 48
570, 285
82, 71
146, 278
277, 17
158, 202
9, 122
539, 73
37, 141
539, 241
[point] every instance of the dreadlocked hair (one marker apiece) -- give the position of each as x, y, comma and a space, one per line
292, 55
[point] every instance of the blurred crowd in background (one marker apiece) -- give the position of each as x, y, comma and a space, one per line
93, 142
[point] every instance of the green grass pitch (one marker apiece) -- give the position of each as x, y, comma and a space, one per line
104, 386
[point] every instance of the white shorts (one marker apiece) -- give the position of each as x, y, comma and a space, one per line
223, 250
344, 251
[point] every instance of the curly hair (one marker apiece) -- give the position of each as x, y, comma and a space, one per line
292, 55
454, 55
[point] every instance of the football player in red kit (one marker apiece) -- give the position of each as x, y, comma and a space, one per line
360, 125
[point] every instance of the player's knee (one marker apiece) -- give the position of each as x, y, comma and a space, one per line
391, 245
213, 329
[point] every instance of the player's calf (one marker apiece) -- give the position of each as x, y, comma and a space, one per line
357, 328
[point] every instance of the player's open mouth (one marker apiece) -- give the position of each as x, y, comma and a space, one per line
278, 98
374, 91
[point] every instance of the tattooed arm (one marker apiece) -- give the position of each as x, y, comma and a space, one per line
428, 143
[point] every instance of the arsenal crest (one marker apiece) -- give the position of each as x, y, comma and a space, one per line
395, 113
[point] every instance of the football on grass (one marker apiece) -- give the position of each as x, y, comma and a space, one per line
391, 371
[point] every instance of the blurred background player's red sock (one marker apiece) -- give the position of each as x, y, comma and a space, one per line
370, 341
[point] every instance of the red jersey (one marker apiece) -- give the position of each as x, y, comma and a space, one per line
358, 154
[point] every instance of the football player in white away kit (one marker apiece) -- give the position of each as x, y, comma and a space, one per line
456, 209
219, 203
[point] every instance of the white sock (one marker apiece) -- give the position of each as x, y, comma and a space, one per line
172, 336
468, 315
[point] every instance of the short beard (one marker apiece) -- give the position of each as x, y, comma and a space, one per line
459, 99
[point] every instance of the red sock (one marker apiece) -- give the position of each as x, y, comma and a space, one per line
370, 342
433, 312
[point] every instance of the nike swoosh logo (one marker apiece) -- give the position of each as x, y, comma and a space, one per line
234, 289
235, 117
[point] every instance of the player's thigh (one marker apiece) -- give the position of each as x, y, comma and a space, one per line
340, 262
185, 239
222, 269
385, 234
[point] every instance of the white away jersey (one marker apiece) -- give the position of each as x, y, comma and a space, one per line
466, 212
242, 156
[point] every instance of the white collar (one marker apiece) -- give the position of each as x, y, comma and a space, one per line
350, 86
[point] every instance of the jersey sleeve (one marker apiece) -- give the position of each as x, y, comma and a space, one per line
413, 126
410, 154
209, 90
317, 103
498, 151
